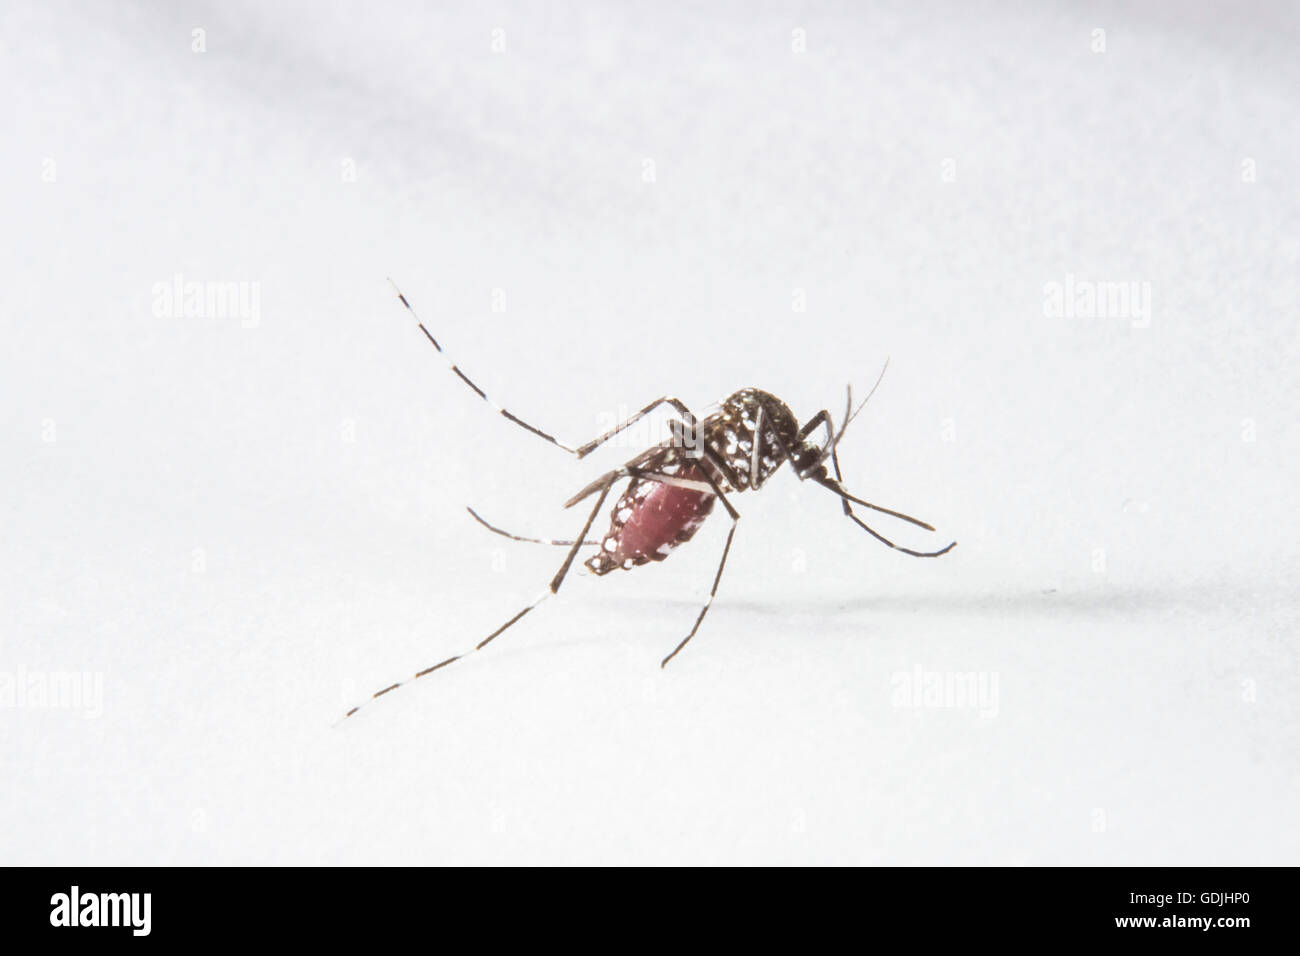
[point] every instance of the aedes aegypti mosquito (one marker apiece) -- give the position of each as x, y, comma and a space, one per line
674, 485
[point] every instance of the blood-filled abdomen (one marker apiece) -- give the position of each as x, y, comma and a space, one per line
650, 520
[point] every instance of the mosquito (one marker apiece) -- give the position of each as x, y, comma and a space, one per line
673, 486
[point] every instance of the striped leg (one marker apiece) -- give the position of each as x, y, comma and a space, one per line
468, 381
552, 589
823, 418
835, 484
677, 404
580, 452
683, 436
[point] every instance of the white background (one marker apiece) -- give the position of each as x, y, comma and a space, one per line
244, 530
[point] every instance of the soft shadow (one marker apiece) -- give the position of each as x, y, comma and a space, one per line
1046, 603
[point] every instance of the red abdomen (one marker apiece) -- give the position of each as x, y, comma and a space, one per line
650, 520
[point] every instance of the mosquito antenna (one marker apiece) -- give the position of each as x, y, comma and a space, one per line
468, 381
847, 417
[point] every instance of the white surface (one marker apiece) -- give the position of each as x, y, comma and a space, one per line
1146, 713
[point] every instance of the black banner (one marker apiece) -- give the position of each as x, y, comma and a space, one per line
1231, 907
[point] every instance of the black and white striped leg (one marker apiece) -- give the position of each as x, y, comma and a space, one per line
470, 382
580, 452
676, 403
836, 485
823, 419
552, 589
683, 437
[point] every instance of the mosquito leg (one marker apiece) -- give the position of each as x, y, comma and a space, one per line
580, 452
755, 463
681, 439
823, 419
836, 485
835, 461
552, 589
883, 540
573, 551
677, 404
717, 578
845, 498
726, 549
516, 537
468, 381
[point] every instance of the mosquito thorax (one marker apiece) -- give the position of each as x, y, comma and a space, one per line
731, 434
